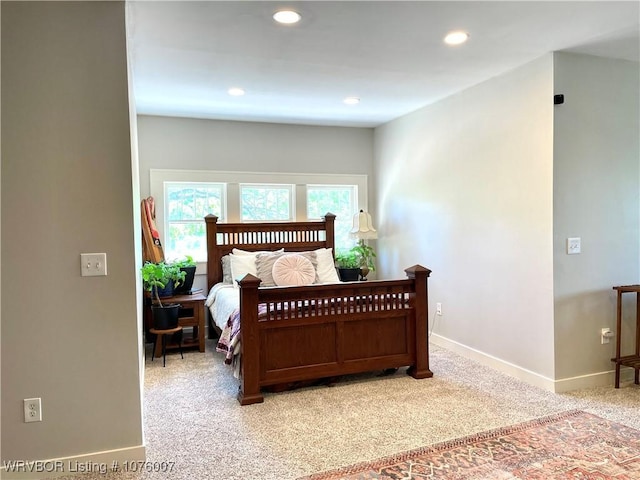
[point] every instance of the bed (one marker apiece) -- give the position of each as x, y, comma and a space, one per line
324, 330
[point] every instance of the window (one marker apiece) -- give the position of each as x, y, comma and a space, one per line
266, 202
339, 200
186, 205
185, 197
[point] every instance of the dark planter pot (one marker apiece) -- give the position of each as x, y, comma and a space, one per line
349, 274
165, 317
185, 288
167, 291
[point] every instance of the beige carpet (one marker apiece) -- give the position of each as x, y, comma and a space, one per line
567, 445
193, 421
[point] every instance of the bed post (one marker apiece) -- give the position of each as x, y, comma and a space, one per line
419, 275
249, 391
329, 225
213, 266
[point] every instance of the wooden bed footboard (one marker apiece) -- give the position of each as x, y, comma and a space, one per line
330, 330
321, 330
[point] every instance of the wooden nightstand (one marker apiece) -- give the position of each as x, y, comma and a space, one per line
192, 314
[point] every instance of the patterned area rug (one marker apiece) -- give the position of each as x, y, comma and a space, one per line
569, 445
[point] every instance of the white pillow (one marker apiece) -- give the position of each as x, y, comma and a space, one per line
243, 262
326, 269
241, 265
293, 270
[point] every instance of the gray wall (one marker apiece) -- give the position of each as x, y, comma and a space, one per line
467, 192
193, 144
597, 198
499, 179
197, 144
66, 189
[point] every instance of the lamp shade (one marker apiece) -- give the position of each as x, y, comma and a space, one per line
363, 226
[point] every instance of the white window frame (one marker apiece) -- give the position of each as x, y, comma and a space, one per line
233, 179
165, 201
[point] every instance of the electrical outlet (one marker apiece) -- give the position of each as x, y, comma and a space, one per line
438, 309
32, 410
605, 335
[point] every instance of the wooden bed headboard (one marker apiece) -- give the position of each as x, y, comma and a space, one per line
292, 236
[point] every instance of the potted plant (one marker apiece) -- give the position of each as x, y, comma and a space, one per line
366, 258
156, 277
348, 265
188, 266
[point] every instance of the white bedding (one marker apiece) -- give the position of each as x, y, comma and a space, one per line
224, 305
222, 300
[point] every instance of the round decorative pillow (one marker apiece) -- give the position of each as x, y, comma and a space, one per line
291, 270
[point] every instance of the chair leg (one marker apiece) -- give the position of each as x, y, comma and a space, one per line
180, 344
155, 341
164, 350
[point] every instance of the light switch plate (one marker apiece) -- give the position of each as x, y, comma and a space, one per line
93, 264
573, 246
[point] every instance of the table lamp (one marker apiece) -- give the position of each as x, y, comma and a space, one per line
363, 230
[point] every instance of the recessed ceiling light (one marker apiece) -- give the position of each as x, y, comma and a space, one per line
351, 100
287, 17
235, 91
456, 38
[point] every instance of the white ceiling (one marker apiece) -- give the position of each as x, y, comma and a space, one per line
389, 53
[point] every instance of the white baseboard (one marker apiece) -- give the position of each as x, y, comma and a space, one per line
533, 378
99, 463
584, 381
494, 362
